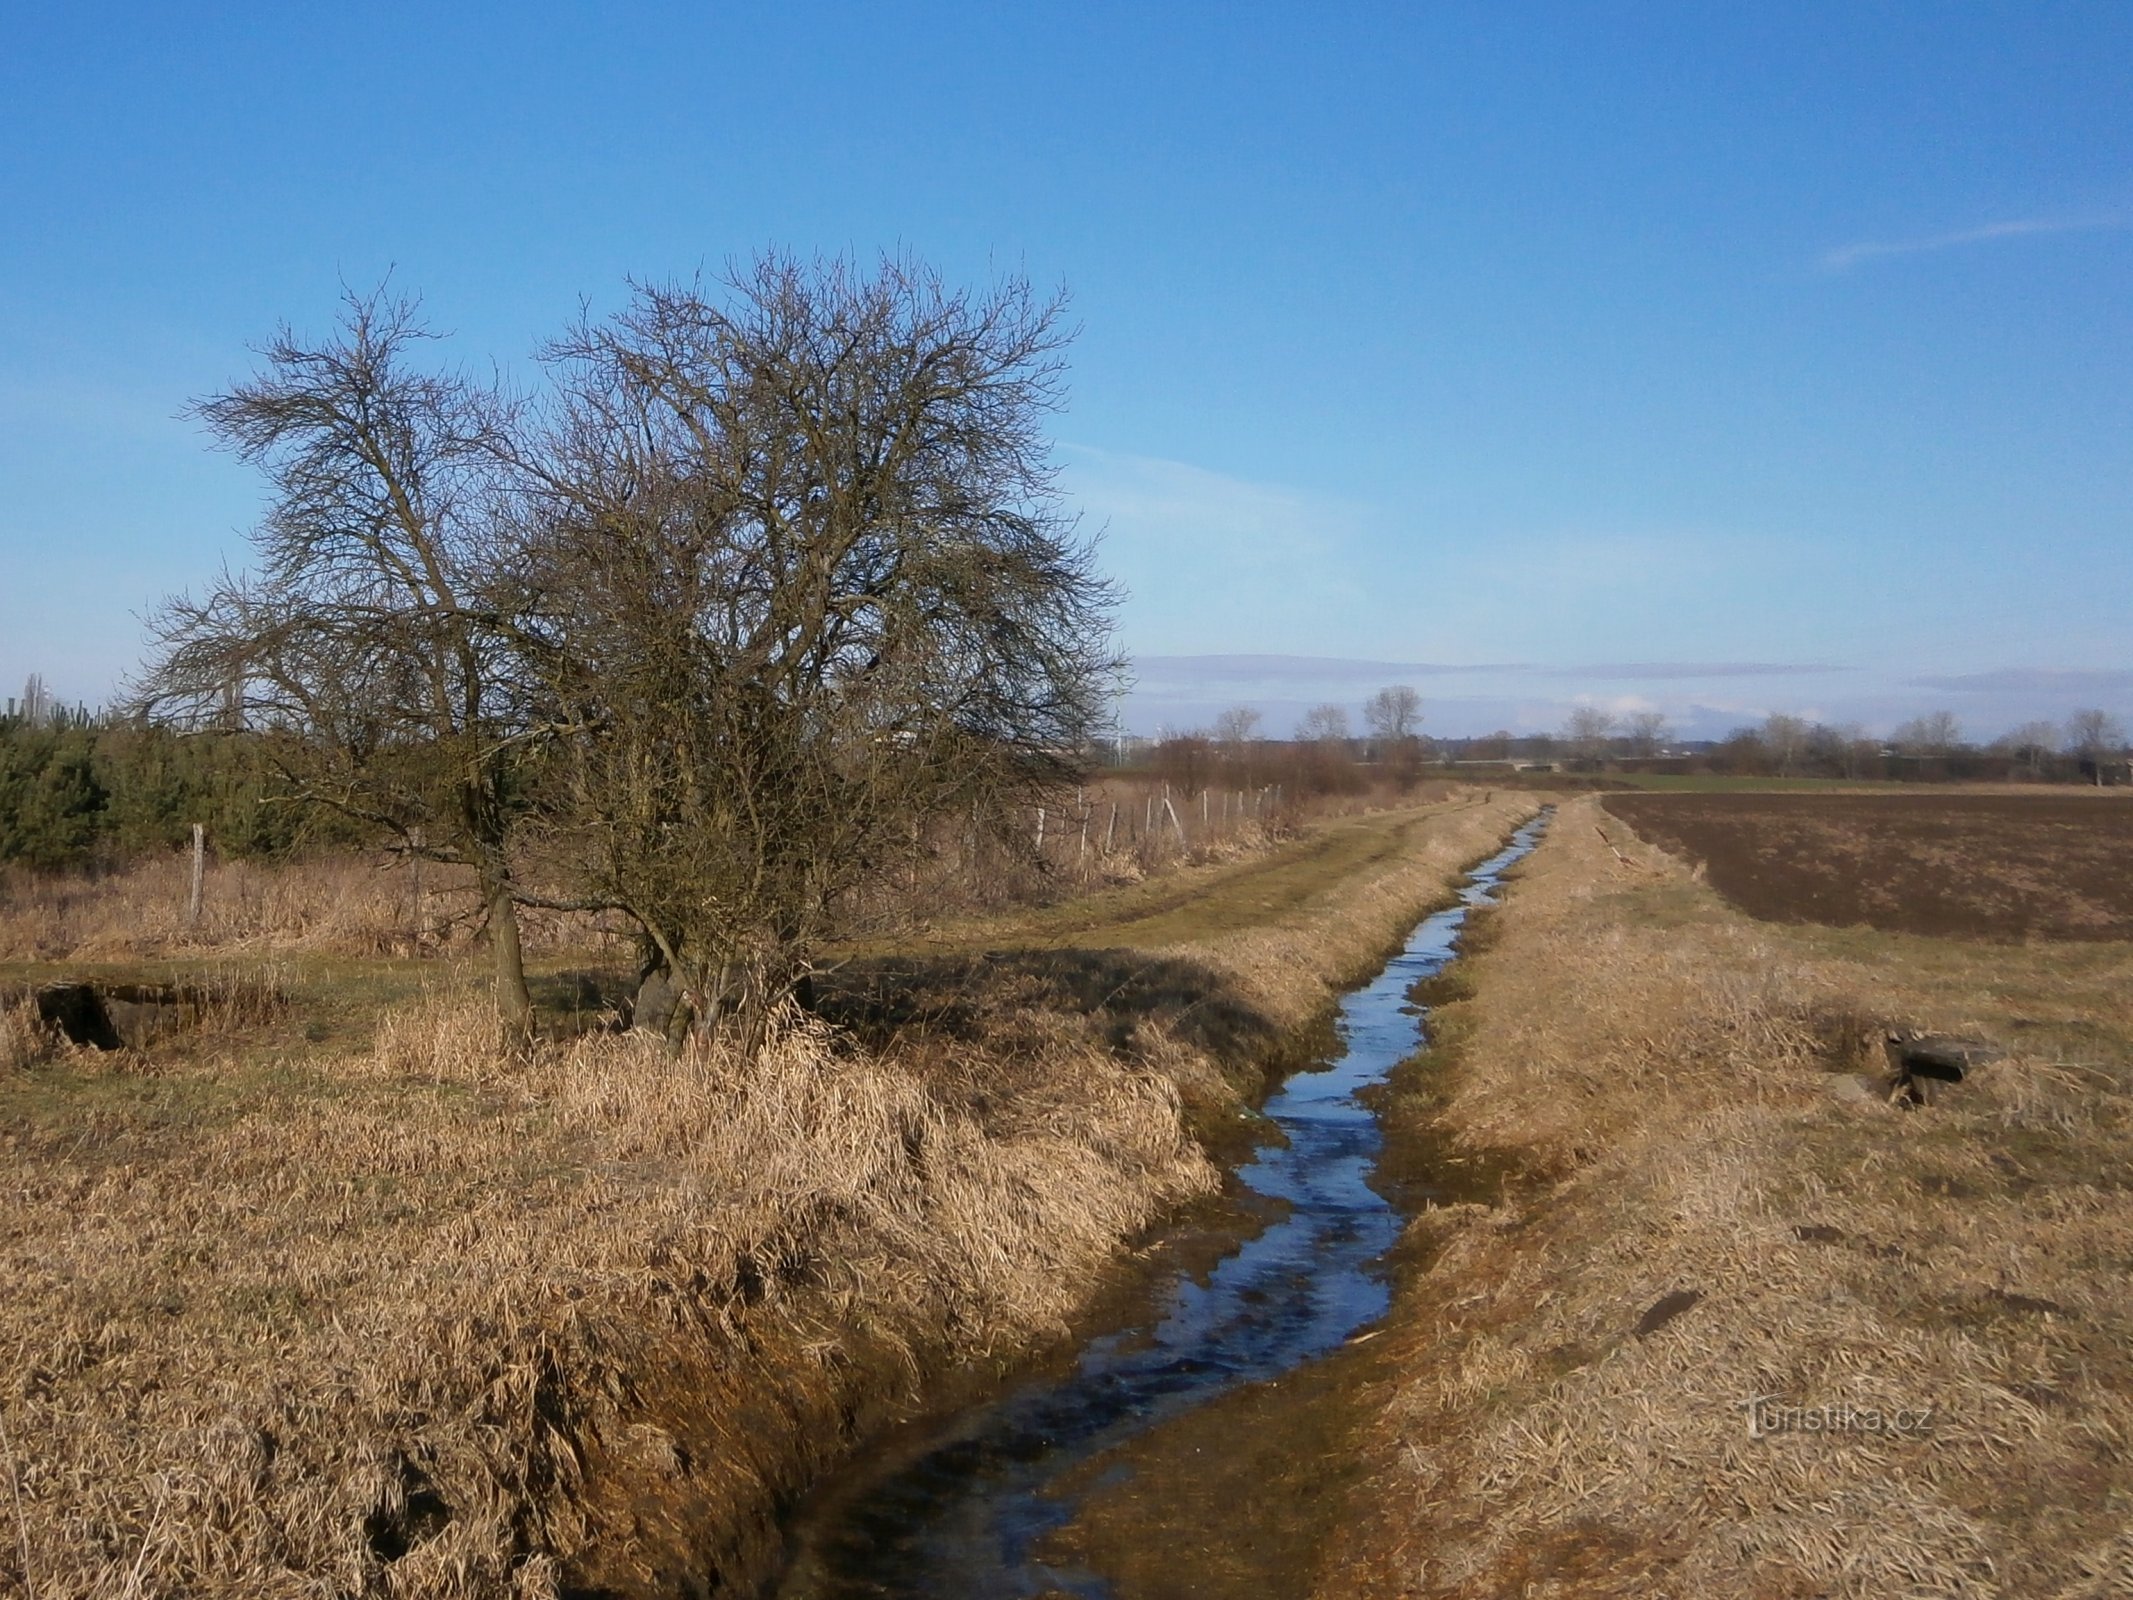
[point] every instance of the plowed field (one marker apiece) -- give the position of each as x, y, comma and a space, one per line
1999, 866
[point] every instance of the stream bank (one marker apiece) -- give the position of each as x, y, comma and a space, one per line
1093, 1481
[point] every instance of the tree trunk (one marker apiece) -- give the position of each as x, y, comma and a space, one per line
514, 1004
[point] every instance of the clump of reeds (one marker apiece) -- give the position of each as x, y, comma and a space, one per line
24, 1039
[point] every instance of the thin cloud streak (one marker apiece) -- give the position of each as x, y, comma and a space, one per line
1657, 670
1844, 257
2019, 680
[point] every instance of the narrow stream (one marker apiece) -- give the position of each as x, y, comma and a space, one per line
963, 1512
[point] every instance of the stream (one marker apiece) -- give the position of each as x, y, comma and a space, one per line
965, 1509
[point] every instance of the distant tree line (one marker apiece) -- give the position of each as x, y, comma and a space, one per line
2089, 747
1326, 755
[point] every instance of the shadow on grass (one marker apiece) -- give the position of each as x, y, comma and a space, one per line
967, 997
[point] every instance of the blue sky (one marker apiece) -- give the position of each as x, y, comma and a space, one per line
1636, 353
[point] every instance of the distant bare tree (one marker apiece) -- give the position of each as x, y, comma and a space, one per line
1930, 737
1236, 735
371, 645
1786, 737
1393, 714
2029, 745
1394, 717
1647, 731
2094, 737
1236, 728
1587, 731
1324, 725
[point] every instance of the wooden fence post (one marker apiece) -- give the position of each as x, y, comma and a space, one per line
192, 903
414, 877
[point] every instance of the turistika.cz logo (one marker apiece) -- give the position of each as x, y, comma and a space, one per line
1768, 1415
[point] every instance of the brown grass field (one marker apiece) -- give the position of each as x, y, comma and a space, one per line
1705, 1195
2055, 865
325, 1296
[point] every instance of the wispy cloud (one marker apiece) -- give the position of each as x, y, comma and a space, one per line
1844, 257
1192, 502
1199, 552
1669, 670
1310, 671
2033, 680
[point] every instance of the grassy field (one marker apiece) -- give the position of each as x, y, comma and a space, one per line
1738, 1323
331, 1298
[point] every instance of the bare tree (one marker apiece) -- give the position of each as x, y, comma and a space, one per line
2094, 737
1930, 737
1646, 731
1857, 749
1324, 725
36, 702
1393, 714
803, 584
2029, 745
1786, 737
1236, 729
1587, 731
369, 646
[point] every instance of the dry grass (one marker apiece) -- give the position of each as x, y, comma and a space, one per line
381, 906
364, 1333
406, 1317
344, 905
24, 1039
1685, 1088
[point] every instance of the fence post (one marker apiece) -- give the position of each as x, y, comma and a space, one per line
1111, 827
1040, 833
192, 902
414, 875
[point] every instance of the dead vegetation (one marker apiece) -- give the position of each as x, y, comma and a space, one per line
1113, 832
1745, 1327
388, 1312
345, 905
370, 1326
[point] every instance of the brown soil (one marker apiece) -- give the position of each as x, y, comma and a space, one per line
2001, 867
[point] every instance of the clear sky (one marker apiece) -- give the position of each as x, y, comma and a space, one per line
1723, 359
